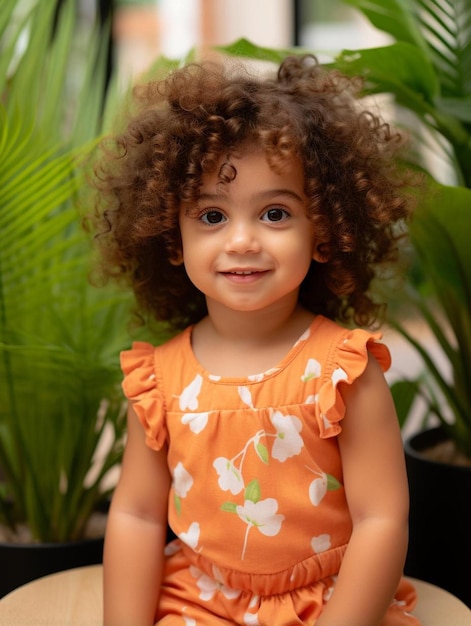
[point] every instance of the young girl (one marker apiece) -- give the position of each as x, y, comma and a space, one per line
252, 215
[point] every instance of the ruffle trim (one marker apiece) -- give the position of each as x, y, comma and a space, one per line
140, 386
347, 362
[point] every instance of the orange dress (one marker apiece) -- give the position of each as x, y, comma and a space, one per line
256, 500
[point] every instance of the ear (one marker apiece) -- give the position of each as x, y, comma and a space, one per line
321, 252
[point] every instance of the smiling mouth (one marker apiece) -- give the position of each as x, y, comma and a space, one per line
244, 276
243, 272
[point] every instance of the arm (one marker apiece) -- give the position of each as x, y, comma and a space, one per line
377, 493
136, 532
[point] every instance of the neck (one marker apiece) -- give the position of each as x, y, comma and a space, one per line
246, 325
234, 343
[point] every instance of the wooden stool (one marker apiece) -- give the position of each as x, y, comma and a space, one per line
73, 598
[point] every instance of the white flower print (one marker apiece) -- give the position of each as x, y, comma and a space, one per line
318, 489
230, 478
196, 421
230, 474
189, 396
306, 334
325, 420
245, 396
182, 480
253, 511
321, 543
210, 586
261, 515
339, 374
321, 485
172, 548
256, 378
262, 375
400, 603
288, 441
191, 537
251, 619
312, 370
329, 590
254, 601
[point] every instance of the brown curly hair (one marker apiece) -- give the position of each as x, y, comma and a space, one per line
186, 122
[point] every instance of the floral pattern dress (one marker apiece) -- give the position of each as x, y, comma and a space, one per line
256, 500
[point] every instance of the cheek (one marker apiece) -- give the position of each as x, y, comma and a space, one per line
300, 248
306, 254
196, 263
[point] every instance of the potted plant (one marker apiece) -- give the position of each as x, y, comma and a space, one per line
427, 72
62, 418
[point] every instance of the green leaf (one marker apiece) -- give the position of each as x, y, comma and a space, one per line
252, 491
245, 48
440, 232
400, 69
9, 37
395, 17
404, 393
332, 483
456, 107
8, 7
230, 507
262, 452
178, 504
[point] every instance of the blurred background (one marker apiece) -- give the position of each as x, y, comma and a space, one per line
144, 29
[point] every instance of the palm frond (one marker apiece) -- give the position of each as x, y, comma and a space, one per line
441, 33
60, 337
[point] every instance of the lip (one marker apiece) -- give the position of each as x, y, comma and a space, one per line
245, 275
244, 271
232, 269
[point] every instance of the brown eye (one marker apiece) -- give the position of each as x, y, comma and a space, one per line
275, 215
213, 217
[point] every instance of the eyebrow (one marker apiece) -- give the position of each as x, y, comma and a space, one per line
259, 195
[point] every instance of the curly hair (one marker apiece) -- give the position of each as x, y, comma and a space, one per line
183, 126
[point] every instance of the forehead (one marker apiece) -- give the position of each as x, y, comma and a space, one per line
253, 168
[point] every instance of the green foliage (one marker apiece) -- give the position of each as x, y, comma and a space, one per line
442, 299
62, 417
427, 72
427, 69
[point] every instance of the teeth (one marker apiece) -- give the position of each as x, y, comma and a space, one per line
243, 273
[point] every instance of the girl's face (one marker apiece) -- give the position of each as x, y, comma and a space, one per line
248, 244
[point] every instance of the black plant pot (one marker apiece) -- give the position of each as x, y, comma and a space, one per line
22, 563
440, 518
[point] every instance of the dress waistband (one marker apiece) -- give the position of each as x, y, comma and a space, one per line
302, 574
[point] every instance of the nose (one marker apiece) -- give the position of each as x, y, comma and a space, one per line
242, 238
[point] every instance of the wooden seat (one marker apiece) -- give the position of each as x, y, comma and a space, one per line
74, 598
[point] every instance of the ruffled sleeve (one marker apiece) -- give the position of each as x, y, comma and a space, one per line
140, 386
347, 361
